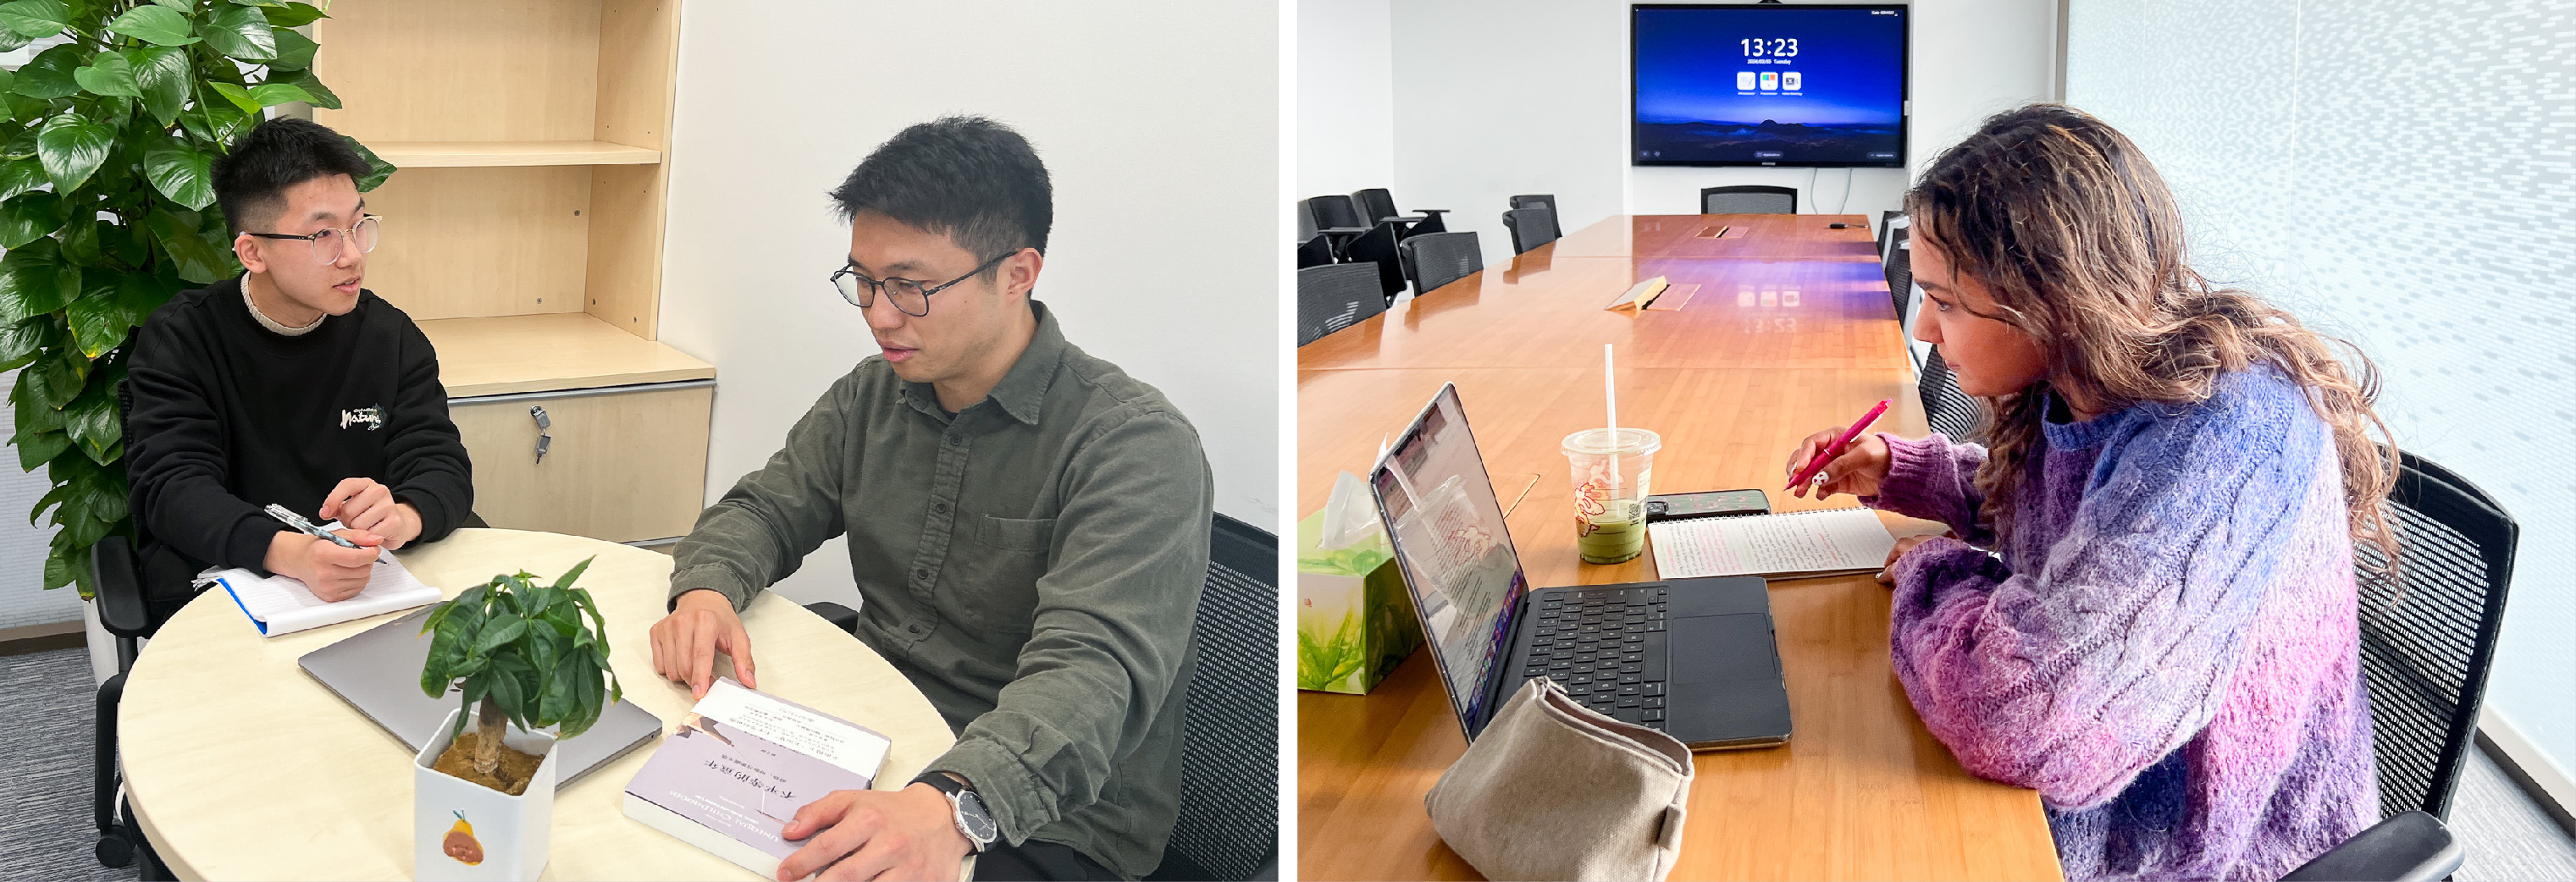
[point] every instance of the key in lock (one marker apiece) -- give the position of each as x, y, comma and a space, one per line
543, 440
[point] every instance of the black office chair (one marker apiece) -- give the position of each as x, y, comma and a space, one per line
1541, 200
1530, 228
1376, 205
1315, 250
1441, 258
1886, 222
1378, 246
2428, 636
1748, 199
1330, 298
1899, 266
1950, 412
1229, 822
1332, 217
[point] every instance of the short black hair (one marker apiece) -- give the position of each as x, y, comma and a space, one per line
251, 180
967, 177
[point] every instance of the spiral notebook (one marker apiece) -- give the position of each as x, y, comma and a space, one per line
1821, 542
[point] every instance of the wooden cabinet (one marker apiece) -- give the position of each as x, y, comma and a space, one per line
626, 464
524, 232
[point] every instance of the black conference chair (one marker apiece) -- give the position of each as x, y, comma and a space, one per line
1376, 205
1441, 258
1314, 250
1332, 217
1530, 228
1229, 822
1951, 412
2428, 636
1748, 199
1899, 266
1886, 223
1541, 200
1330, 298
1378, 246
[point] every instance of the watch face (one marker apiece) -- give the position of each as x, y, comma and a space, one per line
971, 815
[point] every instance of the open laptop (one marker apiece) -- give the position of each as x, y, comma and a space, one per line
378, 672
1692, 657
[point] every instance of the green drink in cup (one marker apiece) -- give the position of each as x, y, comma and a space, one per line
1611, 469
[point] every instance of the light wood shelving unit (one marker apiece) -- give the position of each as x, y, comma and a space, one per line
524, 233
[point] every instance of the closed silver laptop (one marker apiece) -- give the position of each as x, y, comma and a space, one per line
378, 672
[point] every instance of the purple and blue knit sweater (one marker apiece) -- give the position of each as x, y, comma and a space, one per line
2165, 646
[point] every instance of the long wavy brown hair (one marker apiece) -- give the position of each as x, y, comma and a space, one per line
2082, 244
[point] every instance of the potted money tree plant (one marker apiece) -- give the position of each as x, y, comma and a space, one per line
522, 657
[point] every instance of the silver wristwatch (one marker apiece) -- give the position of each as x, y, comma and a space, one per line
973, 821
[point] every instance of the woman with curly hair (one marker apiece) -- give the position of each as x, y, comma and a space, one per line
2146, 608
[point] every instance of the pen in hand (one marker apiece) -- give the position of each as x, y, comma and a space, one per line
1816, 465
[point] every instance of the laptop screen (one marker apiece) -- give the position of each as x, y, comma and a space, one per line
1447, 527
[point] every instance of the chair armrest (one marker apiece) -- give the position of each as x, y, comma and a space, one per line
119, 580
2412, 847
1341, 231
1431, 211
841, 617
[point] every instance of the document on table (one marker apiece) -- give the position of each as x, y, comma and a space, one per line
284, 605
1824, 542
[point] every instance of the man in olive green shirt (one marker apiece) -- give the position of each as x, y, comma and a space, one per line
1027, 524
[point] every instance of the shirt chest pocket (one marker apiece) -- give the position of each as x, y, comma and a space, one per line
992, 585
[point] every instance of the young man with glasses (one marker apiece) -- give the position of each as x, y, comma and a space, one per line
1027, 524
289, 385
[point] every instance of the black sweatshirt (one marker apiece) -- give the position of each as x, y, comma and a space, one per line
228, 416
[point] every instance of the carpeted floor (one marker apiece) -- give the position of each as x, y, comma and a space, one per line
46, 832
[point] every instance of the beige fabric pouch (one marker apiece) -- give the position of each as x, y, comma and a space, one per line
1554, 790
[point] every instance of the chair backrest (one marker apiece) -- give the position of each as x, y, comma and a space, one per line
1530, 228
2428, 632
1375, 204
1886, 223
1748, 199
1378, 246
1441, 258
1314, 251
1306, 226
1899, 265
1335, 211
1330, 298
1546, 201
1229, 819
1949, 411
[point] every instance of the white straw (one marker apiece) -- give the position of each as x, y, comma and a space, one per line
1610, 397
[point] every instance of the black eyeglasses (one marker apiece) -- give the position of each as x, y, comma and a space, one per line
908, 295
326, 242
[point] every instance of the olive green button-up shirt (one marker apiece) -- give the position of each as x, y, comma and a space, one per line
1033, 564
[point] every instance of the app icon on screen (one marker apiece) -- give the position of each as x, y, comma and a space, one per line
1744, 79
1790, 80
1770, 80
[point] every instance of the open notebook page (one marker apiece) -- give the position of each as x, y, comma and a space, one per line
1806, 543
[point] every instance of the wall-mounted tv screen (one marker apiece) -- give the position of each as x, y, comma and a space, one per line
1812, 85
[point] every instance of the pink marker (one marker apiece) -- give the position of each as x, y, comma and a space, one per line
1827, 455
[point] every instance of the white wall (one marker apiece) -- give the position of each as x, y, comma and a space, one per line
1499, 97
1158, 120
23, 598
1345, 86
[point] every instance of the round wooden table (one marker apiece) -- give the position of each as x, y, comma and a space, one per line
240, 766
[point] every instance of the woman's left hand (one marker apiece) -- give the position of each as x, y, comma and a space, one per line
1887, 574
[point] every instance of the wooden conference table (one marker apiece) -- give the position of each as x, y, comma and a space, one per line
242, 767
1789, 330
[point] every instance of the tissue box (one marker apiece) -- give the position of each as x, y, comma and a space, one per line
1355, 620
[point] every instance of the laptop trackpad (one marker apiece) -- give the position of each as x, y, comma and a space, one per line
1725, 676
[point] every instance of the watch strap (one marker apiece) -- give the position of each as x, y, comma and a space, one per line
942, 781
953, 788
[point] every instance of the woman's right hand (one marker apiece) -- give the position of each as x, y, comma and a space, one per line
1858, 471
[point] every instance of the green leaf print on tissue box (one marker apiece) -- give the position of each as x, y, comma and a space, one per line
1355, 621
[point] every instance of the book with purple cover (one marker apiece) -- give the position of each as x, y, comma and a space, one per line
735, 769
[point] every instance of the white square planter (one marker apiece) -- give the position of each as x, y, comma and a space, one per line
511, 832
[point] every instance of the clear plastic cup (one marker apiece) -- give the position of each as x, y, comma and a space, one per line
1610, 479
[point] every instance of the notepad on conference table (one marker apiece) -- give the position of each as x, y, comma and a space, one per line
1823, 542
284, 604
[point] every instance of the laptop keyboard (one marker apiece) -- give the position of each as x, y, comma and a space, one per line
1605, 646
